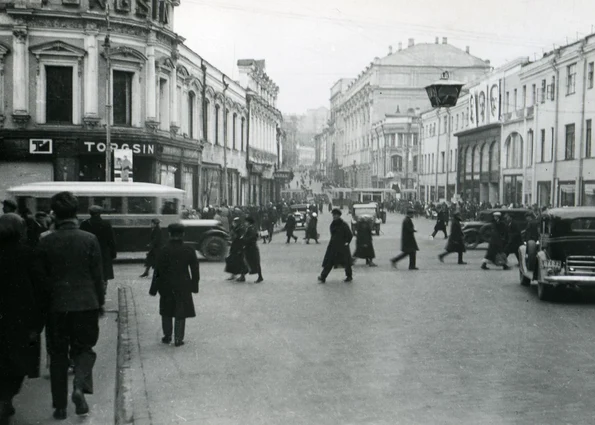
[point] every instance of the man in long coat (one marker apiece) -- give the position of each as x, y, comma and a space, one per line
441, 221
408, 244
337, 253
251, 251
290, 224
364, 247
175, 284
154, 246
234, 263
498, 237
102, 229
456, 240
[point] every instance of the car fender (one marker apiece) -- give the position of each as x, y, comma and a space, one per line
541, 256
523, 262
214, 232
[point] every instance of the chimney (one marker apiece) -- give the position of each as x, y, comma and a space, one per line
390, 50
437, 40
467, 49
411, 42
488, 63
444, 40
400, 46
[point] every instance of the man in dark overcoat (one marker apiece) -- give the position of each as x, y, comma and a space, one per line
154, 246
337, 252
408, 244
456, 240
364, 247
290, 224
175, 284
251, 251
22, 308
71, 259
498, 238
104, 233
515, 238
441, 221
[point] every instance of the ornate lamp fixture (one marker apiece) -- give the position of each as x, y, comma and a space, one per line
444, 92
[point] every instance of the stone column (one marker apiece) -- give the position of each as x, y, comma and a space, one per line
20, 103
91, 85
151, 84
173, 97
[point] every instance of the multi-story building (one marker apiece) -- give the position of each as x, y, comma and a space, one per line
526, 135
306, 155
184, 121
389, 86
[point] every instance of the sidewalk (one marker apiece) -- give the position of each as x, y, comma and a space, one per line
34, 403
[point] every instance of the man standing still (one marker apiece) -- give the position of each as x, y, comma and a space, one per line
71, 259
175, 284
408, 243
102, 229
337, 252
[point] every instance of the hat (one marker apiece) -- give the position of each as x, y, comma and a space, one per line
497, 214
95, 209
10, 203
175, 228
336, 211
410, 211
155, 221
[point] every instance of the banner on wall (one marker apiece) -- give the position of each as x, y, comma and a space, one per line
495, 102
123, 165
472, 111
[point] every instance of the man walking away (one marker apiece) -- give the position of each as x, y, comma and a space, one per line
408, 243
175, 284
290, 227
102, 229
337, 252
71, 259
456, 241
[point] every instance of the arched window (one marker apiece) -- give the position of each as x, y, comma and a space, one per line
513, 149
206, 117
485, 158
476, 159
397, 163
468, 160
191, 101
234, 130
217, 108
494, 158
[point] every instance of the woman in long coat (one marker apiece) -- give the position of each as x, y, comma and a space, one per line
154, 246
251, 252
290, 224
337, 252
21, 312
175, 284
364, 247
312, 228
234, 263
456, 240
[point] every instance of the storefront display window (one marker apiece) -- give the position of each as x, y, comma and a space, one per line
589, 194
168, 175
188, 187
567, 193
513, 190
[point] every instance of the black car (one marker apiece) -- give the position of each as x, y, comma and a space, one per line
478, 230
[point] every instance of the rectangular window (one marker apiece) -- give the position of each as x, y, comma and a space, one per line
569, 151
515, 99
446, 124
542, 150
442, 161
415, 163
590, 70
570, 78
217, 108
58, 95
530, 148
234, 130
533, 94
242, 134
457, 123
543, 90
456, 160
507, 101
122, 97
588, 140
524, 99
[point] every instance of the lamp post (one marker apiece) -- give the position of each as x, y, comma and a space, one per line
108, 99
225, 183
444, 93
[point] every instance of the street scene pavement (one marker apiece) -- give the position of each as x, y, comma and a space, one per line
447, 344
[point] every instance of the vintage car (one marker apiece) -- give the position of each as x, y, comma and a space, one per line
564, 256
478, 231
300, 212
370, 212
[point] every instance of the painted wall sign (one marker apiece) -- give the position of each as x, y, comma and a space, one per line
136, 148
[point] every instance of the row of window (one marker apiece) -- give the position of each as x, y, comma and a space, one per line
427, 166
441, 127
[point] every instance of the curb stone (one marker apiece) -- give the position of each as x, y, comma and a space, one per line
131, 400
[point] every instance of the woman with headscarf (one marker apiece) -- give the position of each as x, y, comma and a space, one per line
364, 248
456, 240
21, 312
234, 263
312, 228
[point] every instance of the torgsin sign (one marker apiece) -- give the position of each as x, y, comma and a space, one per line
136, 148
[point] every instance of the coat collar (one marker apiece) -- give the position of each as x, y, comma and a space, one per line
70, 223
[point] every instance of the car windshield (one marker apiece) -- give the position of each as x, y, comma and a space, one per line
365, 211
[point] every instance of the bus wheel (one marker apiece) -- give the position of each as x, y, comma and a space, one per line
214, 248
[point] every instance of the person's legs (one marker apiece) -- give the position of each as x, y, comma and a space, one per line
325, 272
441, 256
180, 330
167, 327
412, 258
9, 387
59, 342
85, 333
348, 270
398, 258
461, 258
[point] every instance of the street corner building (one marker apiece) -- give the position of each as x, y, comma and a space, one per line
186, 123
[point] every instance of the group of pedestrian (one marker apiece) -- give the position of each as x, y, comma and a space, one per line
244, 255
53, 278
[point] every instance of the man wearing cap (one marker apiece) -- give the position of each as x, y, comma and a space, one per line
9, 206
408, 244
337, 252
102, 229
175, 284
498, 238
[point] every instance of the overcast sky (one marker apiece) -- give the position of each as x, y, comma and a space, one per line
310, 44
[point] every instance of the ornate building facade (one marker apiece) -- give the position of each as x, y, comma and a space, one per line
185, 121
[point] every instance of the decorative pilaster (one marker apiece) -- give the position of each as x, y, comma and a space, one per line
151, 84
20, 108
173, 96
91, 82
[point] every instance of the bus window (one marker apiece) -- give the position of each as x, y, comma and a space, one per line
44, 204
169, 206
110, 204
142, 205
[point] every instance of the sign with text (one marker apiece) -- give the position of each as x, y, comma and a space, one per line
136, 148
40, 146
123, 165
